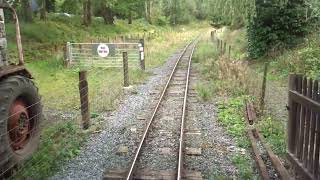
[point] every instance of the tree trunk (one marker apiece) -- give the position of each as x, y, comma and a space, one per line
174, 12
27, 11
107, 15
130, 17
43, 10
87, 16
148, 11
89, 12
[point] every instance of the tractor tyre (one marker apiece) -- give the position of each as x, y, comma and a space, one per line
20, 117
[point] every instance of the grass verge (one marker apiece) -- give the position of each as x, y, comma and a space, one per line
218, 76
60, 142
271, 127
230, 115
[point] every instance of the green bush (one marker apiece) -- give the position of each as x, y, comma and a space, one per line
276, 26
311, 60
161, 21
274, 132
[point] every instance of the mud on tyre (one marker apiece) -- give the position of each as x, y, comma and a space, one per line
20, 116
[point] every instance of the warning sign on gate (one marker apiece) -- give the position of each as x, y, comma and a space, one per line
103, 50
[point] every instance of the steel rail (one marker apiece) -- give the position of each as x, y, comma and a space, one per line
181, 145
132, 167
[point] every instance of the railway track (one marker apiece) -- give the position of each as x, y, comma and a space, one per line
268, 164
160, 154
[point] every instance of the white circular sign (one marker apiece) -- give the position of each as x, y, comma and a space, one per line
103, 50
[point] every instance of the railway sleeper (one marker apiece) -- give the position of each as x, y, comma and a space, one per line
147, 174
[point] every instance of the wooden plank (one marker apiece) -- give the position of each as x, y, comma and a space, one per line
258, 159
193, 175
307, 175
292, 115
313, 128
114, 174
307, 130
300, 99
298, 115
284, 174
317, 142
193, 151
148, 174
302, 122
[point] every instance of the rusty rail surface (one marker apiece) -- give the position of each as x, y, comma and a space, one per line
147, 130
255, 137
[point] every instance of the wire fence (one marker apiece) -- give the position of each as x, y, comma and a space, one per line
59, 120
271, 97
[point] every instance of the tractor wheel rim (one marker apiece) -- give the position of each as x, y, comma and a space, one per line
19, 125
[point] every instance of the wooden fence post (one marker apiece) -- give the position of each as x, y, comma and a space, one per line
125, 70
264, 85
142, 56
292, 108
225, 48
221, 47
218, 45
229, 51
84, 99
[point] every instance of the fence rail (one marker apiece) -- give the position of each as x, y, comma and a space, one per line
304, 126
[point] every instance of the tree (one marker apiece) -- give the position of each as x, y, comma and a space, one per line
105, 8
26, 10
46, 6
148, 7
275, 26
43, 9
72, 6
129, 8
87, 16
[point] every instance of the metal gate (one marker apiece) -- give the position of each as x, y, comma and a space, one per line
105, 55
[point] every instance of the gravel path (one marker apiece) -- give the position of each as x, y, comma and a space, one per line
122, 130
277, 99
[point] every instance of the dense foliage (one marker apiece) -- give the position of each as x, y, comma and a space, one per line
276, 25
230, 12
272, 25
160, 12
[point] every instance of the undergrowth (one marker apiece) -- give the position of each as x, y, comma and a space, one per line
230, 115
60, 142
221, 77
273, 130
303, 59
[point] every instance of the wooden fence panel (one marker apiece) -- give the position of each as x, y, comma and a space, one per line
304, 126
